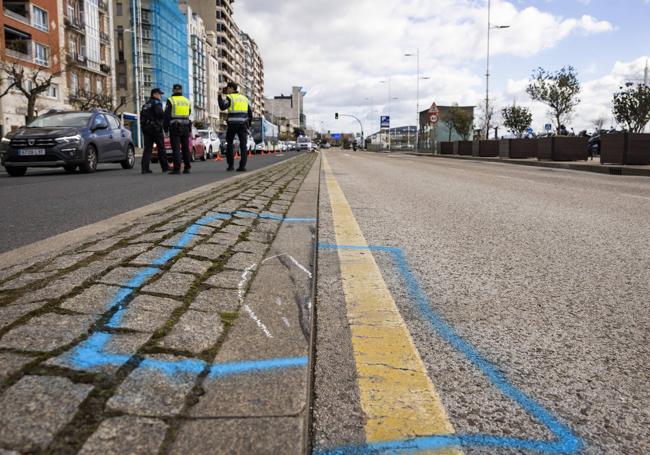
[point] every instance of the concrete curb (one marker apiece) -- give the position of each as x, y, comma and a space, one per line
585, 167
79, 235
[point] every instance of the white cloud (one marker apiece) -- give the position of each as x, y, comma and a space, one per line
339, 51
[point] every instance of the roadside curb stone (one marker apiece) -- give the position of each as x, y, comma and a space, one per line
217, 301
46, 333
148, 313
171, 283
195, 332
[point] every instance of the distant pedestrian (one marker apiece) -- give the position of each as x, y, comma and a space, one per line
179, 126
240, 117
152, 118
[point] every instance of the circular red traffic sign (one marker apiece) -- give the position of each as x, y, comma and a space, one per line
433, 118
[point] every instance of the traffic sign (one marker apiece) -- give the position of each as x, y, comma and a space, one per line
529, 130
384, 121
434, 108
548, 127
433, 118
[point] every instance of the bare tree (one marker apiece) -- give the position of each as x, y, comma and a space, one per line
30, 85
85, 101
485, 118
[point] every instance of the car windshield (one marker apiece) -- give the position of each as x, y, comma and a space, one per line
303, 140
204, 134
69, 119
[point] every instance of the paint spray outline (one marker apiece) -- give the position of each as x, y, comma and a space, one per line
567, 442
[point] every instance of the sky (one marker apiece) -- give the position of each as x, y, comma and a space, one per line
349, 55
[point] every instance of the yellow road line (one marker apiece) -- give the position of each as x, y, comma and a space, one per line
397, 396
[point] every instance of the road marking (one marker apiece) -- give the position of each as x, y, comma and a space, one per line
397, 396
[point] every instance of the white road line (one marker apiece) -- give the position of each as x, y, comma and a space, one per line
286, 321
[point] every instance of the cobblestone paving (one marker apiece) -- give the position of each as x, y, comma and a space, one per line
105, 347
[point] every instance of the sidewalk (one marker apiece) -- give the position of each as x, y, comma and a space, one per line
187, 331
588, 166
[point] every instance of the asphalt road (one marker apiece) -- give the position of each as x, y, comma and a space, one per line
545, 274
48, 202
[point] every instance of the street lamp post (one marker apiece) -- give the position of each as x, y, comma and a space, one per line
487, 71
417, 96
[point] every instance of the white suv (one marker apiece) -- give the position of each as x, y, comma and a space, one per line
211, 141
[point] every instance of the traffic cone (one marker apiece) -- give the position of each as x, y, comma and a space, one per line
218, 158
249, 153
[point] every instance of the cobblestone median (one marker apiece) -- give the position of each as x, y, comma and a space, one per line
105, 347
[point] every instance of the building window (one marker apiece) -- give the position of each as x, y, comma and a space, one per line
87, 84
118, 9
74, 84
53, 91
41, 54
39, 19
99, 86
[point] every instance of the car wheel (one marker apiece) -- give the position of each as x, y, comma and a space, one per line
16, 171
210, 155
129, 162
204, 156
70, 167
90, 163
193, 154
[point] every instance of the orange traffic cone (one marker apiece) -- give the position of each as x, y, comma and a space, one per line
218, 158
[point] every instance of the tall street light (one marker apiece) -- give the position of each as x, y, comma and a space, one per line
417, 108
487, 72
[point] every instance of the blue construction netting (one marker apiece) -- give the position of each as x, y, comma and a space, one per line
170, 57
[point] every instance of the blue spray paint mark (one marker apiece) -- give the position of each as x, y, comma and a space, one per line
229, 369
567, 442
92, 352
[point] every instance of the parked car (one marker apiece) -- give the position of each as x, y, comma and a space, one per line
304, 144
211, 142
68, 140
197, 148
292, 146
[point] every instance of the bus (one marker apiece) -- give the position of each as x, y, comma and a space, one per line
265, 133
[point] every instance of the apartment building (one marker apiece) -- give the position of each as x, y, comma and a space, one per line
212, 63
253, 74
197, 63
31, 37
152, 49
89, 51
288, 109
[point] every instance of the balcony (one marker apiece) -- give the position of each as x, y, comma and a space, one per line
104, 37
17, 13
103, 5
105, 68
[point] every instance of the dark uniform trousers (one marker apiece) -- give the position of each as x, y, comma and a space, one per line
240, 130
179, 136
151, 138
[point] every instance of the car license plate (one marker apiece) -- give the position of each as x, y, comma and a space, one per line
31, 152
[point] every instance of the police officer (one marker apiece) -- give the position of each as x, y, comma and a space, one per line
240, 117
179, 127
152, 118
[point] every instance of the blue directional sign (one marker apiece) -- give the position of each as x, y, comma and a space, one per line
529, 130
384, 121
548, 127
336, 136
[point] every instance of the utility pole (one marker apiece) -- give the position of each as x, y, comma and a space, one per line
487, 72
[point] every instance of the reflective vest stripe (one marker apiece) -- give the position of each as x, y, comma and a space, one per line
180, 107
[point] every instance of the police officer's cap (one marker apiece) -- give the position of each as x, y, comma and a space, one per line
178, 87
157, 91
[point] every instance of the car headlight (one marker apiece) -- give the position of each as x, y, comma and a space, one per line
68, 139
6, 140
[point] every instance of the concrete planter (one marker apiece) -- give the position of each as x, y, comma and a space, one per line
625, 148
446, 148
486, 149
518, 148
561, 148
465, 148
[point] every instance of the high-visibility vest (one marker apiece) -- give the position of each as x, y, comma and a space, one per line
238, 104
180, 107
